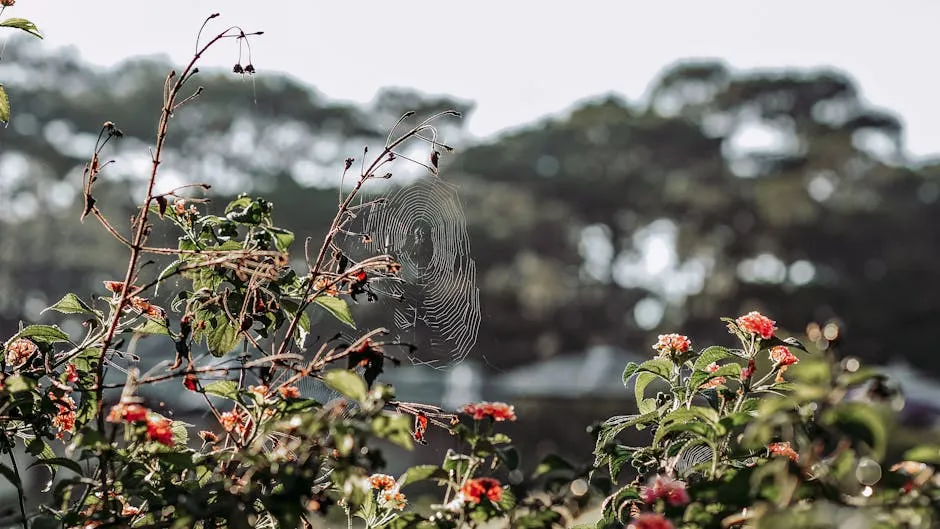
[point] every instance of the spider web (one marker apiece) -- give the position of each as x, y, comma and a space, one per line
434, 302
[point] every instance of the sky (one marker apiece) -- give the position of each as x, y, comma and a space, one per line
521, 60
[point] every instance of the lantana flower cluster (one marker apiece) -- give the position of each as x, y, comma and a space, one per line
389, 494
498, 411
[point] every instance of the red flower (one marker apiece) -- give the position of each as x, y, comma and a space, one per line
783, 449
673, 491
158, 429
670, 344
421, 428
128, 412
782, 356
499, 411
476, 489
650, 520
190, 382
71, 373
715, 382
756, 323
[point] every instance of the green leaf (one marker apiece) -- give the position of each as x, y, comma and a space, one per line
153, 326
303, 324
180, 433
39, 448
347, 383
4, 106
18, 384
700, 377
508, 456
657, 366
924, 454
222, 338
858, 420
422, 473
619, 456
710, 355
65, 462
697, 414
43, 333
701, 430
22, 23
70, 304
227, 389
393, 427
166, 272
282, 238
639, 386
629, 372
551, 463
337, 307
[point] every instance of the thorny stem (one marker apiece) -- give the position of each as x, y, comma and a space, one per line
377, 162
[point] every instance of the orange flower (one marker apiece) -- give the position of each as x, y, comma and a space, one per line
158, 429
261, 391
783, 449
476, 489
19, 351
208, 436
671, 344
394, 499
383, 482
782, 356
499, 411
65, 418
114, 286
715, 382
234, 422
289, 392
757, 324
650, 520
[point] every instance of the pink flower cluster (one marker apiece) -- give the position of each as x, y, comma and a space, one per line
664, 488
757, 324
670, 344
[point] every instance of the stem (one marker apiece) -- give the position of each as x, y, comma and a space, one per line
19, 489
334, 226
140, 235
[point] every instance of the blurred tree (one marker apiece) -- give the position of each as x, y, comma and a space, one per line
726, 192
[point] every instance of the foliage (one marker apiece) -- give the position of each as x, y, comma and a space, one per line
237, 332
732, 440
13, 23
733, 444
